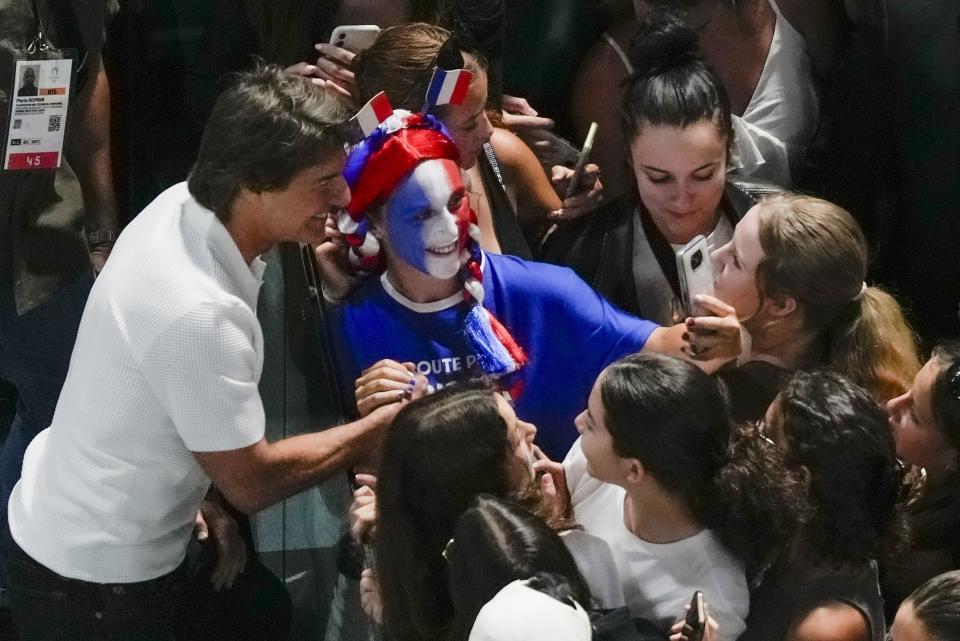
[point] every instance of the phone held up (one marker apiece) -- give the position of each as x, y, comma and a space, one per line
695, 271
355, 37
582, 161
696, 618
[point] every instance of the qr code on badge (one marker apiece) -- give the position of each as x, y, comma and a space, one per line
53, 124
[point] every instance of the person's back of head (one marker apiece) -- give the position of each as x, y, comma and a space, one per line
838, 433
932, 612
264, 130
401, 62
945, 392
497, 542
815, 253
440, 453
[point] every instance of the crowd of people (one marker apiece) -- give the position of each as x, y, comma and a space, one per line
548, 436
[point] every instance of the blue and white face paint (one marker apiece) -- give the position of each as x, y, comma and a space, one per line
427, 217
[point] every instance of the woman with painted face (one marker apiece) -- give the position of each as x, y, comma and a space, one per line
823, 586
440, 454
675, 115
793, 278
931, 613
507, 186
926, 427
444, 308
684, 503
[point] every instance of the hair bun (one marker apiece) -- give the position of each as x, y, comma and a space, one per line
663, 42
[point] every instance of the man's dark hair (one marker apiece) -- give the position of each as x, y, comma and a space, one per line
264, 130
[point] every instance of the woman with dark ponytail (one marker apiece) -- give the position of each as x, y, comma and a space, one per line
824, 585
684, 503
677, 123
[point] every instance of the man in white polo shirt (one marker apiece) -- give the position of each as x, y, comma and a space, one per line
161, 396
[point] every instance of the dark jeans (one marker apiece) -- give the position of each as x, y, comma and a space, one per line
49, 607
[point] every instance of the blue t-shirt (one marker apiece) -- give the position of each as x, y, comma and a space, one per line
570, 333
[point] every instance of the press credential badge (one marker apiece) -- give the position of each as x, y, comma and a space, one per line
38, 116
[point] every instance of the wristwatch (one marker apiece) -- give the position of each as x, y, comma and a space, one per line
101, 236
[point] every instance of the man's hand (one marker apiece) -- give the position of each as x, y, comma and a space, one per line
214, 522
333, 262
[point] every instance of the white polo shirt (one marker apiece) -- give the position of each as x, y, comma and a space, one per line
167, 361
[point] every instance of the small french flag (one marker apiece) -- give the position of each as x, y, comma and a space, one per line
373, 113
448, 87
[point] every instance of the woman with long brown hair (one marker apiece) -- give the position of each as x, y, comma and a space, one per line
793, 278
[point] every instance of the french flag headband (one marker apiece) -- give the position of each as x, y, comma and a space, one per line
375, 167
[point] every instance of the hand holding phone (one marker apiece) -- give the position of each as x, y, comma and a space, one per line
696, 619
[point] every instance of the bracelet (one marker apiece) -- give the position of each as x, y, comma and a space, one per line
101, 236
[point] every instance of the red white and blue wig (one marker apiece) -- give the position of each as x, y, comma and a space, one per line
375, 168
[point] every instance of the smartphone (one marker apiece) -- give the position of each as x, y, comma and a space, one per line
696, 617
582, 160
355, 37
696, 274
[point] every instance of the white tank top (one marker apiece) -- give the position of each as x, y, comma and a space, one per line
771, 137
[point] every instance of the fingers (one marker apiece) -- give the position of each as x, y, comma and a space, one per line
715, 305
231, 550
371, 403
329, 70
200, 527
334, 53
366, 480
517, 105
370, 595
363, 517
231, 560
585, 200
301, 69
420, 387
386, 368
520, 123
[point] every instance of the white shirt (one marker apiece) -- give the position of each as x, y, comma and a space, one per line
166, 362
520, 613
598, 567
659, 579
771, 138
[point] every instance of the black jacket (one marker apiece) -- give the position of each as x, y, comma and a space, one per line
603, 249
